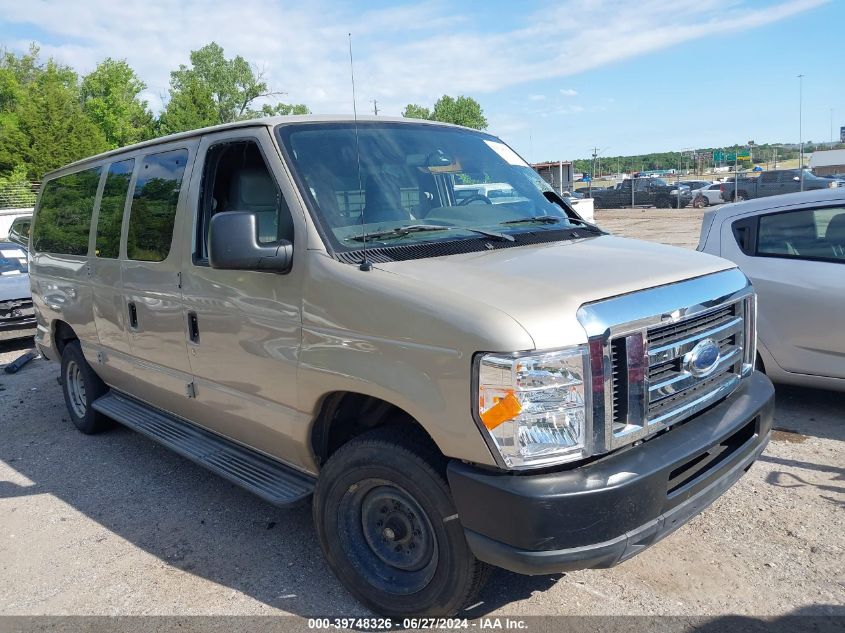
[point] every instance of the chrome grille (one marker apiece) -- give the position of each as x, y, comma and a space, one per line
640, 380
673, 393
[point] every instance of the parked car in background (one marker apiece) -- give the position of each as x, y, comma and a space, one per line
775, 183
711, 193
694, 185
793, 249
7, 218
19, 230
17, 318
648, 192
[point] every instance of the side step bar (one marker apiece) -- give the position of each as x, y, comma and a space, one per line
268, 478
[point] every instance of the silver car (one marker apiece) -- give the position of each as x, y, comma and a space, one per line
16, 314
792, 247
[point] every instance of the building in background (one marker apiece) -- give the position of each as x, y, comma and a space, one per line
828, 162
559, 174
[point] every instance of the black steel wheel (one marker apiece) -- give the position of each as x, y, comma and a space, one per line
388, 527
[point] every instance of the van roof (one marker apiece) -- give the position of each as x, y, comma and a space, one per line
270, 121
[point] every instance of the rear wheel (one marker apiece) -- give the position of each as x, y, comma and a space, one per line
81, 386
388, 527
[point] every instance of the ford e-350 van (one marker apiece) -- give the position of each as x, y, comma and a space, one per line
309, 307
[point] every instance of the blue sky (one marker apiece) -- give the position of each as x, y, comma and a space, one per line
555, 79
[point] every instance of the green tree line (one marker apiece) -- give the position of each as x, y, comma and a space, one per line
51, 116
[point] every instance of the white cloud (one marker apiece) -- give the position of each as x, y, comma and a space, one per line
568, 92
536, 97
410, 53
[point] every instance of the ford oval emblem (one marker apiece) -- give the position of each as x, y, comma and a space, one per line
702, 359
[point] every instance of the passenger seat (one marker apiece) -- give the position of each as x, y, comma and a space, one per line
253, 189
835, 235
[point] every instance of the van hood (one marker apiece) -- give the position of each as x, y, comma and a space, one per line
542, 286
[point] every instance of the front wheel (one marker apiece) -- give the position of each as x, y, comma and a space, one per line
389, 530
663, 202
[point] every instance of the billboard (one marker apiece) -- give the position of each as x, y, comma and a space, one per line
842, 134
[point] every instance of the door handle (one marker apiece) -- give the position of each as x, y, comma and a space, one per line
133, 315
193, 327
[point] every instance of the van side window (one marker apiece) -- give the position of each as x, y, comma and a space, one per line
111, 208
236, 178
63, 219
153, 212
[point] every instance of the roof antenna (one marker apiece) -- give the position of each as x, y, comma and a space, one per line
366, 264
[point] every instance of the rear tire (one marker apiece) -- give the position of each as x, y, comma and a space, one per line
81, 386
388, 527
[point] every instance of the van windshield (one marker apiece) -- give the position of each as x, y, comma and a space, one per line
414, 176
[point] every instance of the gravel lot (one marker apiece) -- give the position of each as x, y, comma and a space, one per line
115, 525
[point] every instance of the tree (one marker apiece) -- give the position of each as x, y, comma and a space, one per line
414, 111
215, 90
109, 97
42, 124
464, 111
189, 108
56, 129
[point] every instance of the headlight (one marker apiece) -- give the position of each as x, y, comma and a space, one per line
833, 184
532, 406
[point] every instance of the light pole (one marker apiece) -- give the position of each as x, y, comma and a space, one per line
801, 129
831, 128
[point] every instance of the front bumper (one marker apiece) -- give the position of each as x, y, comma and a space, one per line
17, 318
603, 513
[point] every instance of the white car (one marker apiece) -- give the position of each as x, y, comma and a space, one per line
792, 247
711, 192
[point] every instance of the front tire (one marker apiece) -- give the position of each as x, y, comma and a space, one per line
388, 527
81, 386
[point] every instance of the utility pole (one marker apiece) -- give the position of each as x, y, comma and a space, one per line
375, 107
593, 175
801, 129
831, 128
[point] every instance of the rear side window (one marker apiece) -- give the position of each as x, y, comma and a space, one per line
111, 208
63, 221
811, 234
154, 205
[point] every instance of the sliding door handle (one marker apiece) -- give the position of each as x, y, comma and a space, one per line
133, 315
193, 327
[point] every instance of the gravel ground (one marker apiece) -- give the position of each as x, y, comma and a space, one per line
115, 525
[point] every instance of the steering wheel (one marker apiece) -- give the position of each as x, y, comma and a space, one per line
475, 196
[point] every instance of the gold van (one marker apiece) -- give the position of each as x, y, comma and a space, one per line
305, 306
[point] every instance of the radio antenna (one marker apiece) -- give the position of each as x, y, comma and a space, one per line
366, 264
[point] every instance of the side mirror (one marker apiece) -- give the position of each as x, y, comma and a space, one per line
233, 244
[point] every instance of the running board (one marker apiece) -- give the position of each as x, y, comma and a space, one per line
268, 478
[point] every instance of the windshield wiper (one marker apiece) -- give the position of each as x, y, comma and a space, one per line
402, 231
551, 219
537, 219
